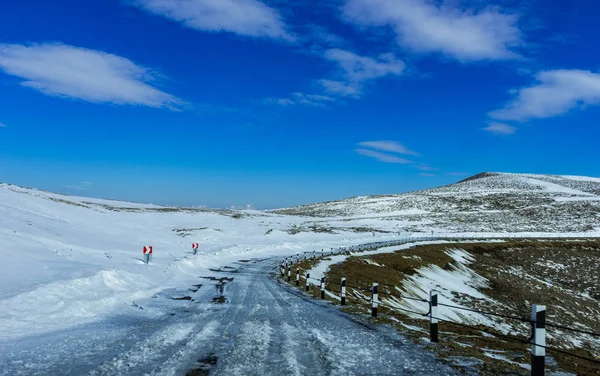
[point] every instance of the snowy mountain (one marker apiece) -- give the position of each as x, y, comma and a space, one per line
488, 202
76, 296
72, 273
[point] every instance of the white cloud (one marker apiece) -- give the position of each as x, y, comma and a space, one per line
391, 146
284, 102
244, 17
500, 128
426, 167
427, 26
316, 37
73, 72
427, 174
81, 187
316, 100
382, 157
556, 92
358, 68
340, 88
354, 71
311, 99
2, 125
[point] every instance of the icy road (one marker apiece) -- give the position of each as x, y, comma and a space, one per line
250, 325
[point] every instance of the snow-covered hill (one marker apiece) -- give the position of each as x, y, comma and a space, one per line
68, 262
488, 202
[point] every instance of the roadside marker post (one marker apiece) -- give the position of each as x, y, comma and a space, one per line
538, 353
147, 254
433, 316
322, 287
343, 294
195, 248
297, 277
307, 283
289, 270
374, 297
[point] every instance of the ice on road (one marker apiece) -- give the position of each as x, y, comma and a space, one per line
264, 328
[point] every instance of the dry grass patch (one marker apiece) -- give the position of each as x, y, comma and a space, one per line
563, 275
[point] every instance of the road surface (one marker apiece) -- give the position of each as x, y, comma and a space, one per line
250, 325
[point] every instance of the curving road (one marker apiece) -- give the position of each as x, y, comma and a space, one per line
264, 328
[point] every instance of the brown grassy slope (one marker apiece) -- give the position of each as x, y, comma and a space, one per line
563, 275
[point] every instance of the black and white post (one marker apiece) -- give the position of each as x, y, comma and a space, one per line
297, 277
307, 282
314, 255
374, 297
322, 287
433, 316
538, 353
289, 274
343, 293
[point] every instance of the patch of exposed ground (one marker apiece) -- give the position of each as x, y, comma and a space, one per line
183, 232
204, 366
563, 275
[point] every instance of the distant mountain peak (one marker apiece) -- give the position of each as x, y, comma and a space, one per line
486, 202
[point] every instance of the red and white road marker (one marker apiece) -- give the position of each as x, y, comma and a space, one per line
147, 253
195, 247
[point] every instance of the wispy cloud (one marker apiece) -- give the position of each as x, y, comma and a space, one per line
457, 173
341, 88
93, 76
500, 128
315, 100
73, 187
555, 93
251, 18
426, 26
311, 99
391, 146
2, 125
317, 37
426, 174
381, 150
348, 80
382, 157
358, 68
426, 167
80, 187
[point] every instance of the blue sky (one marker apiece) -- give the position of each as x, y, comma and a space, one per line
275, 102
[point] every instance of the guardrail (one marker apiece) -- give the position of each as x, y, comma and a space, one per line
538, 322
